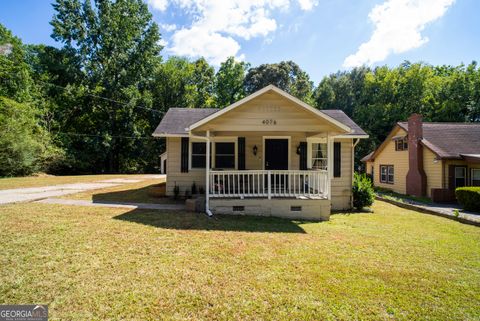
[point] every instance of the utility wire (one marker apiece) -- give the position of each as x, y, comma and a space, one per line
105, 98
113, 136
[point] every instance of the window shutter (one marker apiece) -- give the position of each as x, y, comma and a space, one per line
337, 159
303, 156
451, 177
184, 156
241, 153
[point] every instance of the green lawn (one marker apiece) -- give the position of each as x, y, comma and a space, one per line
44, 180
101, 263
130, 193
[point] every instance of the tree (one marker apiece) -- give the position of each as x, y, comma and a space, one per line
116, 47
229, 82
286, 75
203, 80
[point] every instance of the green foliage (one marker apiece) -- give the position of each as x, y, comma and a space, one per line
229, 82
378, 98
26, 146
469, 197
286, 75
363, 194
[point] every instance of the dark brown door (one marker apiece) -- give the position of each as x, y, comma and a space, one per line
276, 154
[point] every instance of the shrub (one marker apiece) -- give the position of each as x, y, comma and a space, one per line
194, 188
176, 192
362, 189
469, 197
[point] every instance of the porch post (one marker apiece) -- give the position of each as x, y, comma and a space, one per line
207, 177
329, 165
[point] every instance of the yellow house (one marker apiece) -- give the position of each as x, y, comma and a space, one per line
427, 159
267, 154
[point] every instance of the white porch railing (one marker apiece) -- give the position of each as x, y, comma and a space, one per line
269, 183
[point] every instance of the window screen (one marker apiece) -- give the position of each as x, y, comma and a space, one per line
199, 151
225, 155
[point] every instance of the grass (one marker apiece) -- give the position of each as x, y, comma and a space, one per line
43, 180
130, 193
103, 263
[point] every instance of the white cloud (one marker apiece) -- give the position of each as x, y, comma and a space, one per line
217, 23
168, 27
160, 5
398, 27
196, 42
307, 5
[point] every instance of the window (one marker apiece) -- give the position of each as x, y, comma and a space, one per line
401, 144
199, 151
225, 155
460, 176
475, 176
387, 174
319, 156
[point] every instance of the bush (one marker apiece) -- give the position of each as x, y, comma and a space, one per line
362, 189
469, 197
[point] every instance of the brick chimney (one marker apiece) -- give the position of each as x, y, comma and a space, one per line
416, 178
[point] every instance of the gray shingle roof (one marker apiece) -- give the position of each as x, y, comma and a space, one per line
450, 140
177, 119
340, 116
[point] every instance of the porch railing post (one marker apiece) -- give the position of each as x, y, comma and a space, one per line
269, 185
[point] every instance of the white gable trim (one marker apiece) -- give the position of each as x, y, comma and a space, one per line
278, 91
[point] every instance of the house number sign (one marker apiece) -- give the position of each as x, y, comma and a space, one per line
269, 121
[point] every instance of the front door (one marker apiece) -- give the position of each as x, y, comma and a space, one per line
276, 154
276, 158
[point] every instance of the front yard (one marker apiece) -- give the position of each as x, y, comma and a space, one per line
104, 263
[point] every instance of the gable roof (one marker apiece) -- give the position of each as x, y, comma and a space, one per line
446, 140
177, 120
450, 140
281, 93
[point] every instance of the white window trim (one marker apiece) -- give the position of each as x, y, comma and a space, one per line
471, 176
194, 140
213, 140
310, 142
277, 137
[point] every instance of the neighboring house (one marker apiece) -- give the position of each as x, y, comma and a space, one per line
269, 154
427, 159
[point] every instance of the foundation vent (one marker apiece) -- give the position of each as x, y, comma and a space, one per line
295, 208
239, 208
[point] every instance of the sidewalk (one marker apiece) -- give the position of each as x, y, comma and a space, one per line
444, 210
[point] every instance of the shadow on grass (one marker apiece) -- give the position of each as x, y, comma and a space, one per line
181, 220
138, 195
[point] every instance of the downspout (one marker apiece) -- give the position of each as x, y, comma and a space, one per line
207, 171
354, 144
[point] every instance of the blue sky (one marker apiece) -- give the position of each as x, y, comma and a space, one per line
322, 36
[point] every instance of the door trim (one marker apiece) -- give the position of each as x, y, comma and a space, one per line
289, 138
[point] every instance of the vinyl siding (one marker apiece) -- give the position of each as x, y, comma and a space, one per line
433, 170
342, 186
174, 175
250, 117
399, 159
